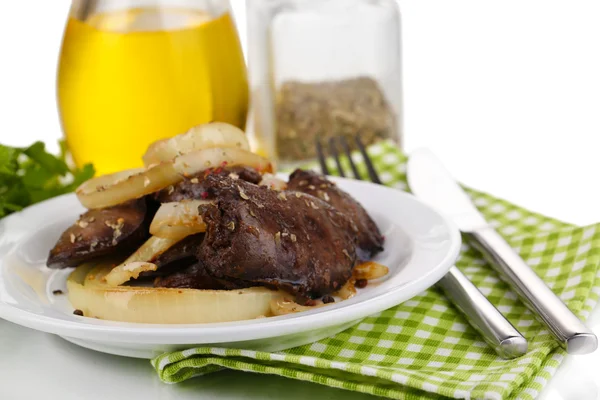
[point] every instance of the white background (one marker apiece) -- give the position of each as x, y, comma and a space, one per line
506, 92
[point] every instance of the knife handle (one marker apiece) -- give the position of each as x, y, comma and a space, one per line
496, 330
572, 334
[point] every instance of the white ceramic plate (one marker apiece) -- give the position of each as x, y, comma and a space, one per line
420, 247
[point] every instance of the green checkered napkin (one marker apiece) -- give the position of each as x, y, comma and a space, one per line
423, 348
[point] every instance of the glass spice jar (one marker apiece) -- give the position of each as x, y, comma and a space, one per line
321, 69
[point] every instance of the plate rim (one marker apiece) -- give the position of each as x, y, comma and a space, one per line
239, 331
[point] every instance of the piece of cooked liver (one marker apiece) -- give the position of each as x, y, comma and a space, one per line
102, 232
285, 240
370, 240
192, 188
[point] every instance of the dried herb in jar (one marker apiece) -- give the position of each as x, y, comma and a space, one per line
328, 109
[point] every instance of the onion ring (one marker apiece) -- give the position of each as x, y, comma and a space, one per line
110, 190
149, 252
192, 163
285, 306
179, 220
215, 134
163, 305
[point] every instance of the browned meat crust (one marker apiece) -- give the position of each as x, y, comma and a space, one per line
196, 277
102, 232
192, 188
284, 239
370, 240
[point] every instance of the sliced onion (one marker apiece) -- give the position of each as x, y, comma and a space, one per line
110, 190
215, 134
284, 306
179, 220
96, 271
164, 305
113, 189
149, 252
347, 291
370, 270
126, 272
193, 163
273, 182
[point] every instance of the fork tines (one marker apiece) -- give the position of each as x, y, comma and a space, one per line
334, 144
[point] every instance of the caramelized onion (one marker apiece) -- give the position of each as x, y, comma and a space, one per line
163, 305
347, 291
96, 272
149, 252
370, 270
273, 182
110, 190
201, 160
284, 306
179, 220
113, 189
215, 134
126, 272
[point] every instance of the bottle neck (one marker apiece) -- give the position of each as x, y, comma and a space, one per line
84, 9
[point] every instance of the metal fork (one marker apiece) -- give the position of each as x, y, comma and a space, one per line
496, 330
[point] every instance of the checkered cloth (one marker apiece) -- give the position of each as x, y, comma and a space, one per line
424, 348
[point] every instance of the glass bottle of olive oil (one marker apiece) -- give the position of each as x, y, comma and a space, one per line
132, 72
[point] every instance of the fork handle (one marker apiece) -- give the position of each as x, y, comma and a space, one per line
496, 330
572, 334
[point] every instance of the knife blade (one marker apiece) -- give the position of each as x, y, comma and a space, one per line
430, 181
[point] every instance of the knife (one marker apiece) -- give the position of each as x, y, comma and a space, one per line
495, 329
431, 182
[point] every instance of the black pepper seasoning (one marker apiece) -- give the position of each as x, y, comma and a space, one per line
328, 299
361, 283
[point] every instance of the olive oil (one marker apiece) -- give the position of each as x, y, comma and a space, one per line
126, 80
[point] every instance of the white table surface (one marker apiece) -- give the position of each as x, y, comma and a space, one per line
507, 93
35, 365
